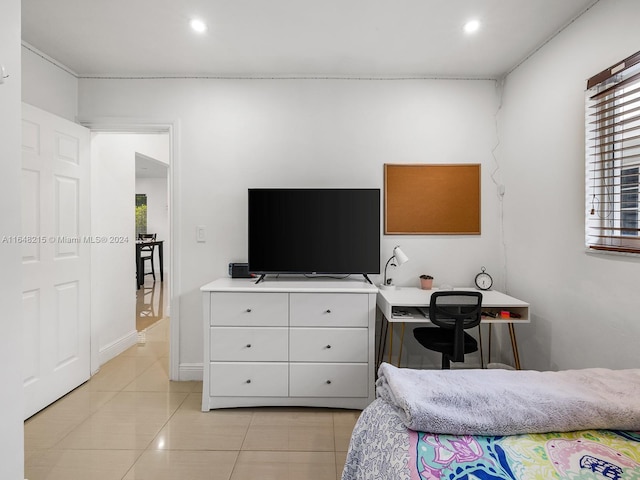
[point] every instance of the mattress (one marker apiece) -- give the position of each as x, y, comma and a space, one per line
382, 448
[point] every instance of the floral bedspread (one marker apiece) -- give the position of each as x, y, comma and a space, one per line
382, 448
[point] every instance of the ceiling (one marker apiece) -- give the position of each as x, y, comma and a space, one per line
147, 167
372, 38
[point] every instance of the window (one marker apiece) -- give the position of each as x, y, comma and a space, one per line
629, 201
612, 220
141, 213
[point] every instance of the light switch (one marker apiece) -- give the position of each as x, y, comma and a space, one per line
201, 234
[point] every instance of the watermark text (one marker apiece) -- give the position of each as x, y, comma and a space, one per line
58, 239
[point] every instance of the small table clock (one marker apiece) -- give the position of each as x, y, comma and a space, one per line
484, 280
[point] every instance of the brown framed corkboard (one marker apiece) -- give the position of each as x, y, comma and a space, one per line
432, 199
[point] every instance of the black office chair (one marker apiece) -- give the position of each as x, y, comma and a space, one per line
453, 312
146, 252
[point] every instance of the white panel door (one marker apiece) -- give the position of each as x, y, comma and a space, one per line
55, 257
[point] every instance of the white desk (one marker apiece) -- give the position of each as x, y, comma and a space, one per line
404, 304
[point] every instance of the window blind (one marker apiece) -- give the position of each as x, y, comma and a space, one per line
612, 160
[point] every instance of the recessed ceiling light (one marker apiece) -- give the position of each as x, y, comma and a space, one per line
198, 25
471, 26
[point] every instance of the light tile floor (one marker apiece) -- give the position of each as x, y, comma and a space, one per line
152, 301
129, 422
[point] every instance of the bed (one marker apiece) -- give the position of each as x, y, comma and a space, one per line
504, 438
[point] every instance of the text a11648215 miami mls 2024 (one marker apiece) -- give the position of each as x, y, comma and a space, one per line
42, 239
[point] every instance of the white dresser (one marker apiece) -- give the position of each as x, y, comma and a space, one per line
288, 342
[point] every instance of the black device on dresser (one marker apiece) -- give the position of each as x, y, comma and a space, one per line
239, 270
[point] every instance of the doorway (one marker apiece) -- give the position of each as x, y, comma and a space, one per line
152, 223
114, 155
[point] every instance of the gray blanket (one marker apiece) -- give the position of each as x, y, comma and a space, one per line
508, 402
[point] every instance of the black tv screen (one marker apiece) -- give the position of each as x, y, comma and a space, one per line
314, 231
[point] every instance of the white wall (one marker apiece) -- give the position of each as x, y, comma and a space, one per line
157, 193
113, 269
11, 400
47, 85
236, 134
585, 307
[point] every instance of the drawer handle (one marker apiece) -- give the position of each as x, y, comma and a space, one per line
328, 382
248, 310
249, 381
328, 311
328, 346
248, 345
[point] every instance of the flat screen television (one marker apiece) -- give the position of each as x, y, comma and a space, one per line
314, 231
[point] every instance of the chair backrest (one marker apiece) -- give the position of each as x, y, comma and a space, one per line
147, 236
456, 310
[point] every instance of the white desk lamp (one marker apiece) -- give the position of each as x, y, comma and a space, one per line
400, 258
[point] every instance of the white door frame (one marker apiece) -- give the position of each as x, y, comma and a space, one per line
172, 127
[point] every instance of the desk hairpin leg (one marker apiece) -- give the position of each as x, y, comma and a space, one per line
401, 343
480, 341
390, 342
489, 348
384, 329
514, 346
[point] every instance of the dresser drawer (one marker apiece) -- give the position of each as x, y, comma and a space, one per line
328, 345
250, 309
328, 380
228, 379
329, 310
249, 344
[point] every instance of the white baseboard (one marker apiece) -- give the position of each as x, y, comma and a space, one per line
190, 371
115, 348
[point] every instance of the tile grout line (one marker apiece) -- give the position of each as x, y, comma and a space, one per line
244, 438
146, 449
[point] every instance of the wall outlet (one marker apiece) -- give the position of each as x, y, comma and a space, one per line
201, 235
